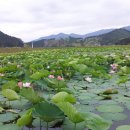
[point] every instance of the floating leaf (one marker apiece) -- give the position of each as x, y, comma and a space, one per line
6, 117
10, 127
84, 108
19, 104
1, 109
10, 94
123, 127
114, 116
10, 85
110, 108
95, 122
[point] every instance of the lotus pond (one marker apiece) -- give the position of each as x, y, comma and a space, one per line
65, 89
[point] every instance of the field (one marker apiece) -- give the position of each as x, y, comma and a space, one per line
65, 88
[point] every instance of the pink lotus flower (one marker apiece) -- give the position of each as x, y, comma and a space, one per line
60, 78
20, 84
51, 76
27, 84
114, 66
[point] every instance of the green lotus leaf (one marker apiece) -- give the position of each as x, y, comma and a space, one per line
110, 108
10, 85
128, 105
81, 68
10, 127
54, 83
25, 119
47, 111
1, 109
63, 97
71, 112
10, 94
95, 122
84, 108
37, 75
2, 98
68, 125
114, 116
31, 95
123, 127
19, 104
6, 117
36, 121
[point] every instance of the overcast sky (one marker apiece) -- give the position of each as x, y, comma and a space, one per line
31, 19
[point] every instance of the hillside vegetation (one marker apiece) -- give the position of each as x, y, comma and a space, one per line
9, 41
111, 38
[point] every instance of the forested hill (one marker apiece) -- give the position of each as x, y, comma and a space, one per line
113, 37
9, 41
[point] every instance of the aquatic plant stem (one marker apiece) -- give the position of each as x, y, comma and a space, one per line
46, 125
40, 125
75, 126
125, 86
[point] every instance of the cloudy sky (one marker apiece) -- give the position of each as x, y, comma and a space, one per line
31, 19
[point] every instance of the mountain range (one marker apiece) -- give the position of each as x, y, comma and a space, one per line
101, 37
64, 36
118, 36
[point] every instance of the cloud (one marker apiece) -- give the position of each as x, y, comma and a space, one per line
29, 19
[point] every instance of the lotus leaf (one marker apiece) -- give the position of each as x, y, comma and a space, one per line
1, 109
123, 127
6, 117
63, 96
68, 125
95, 122
56, 84
19, 104
114, 116
31, 95
71, 112
81, 68
25, 119
10, 127
110, 108
10, 94
37, 75
10, 85
47, 111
